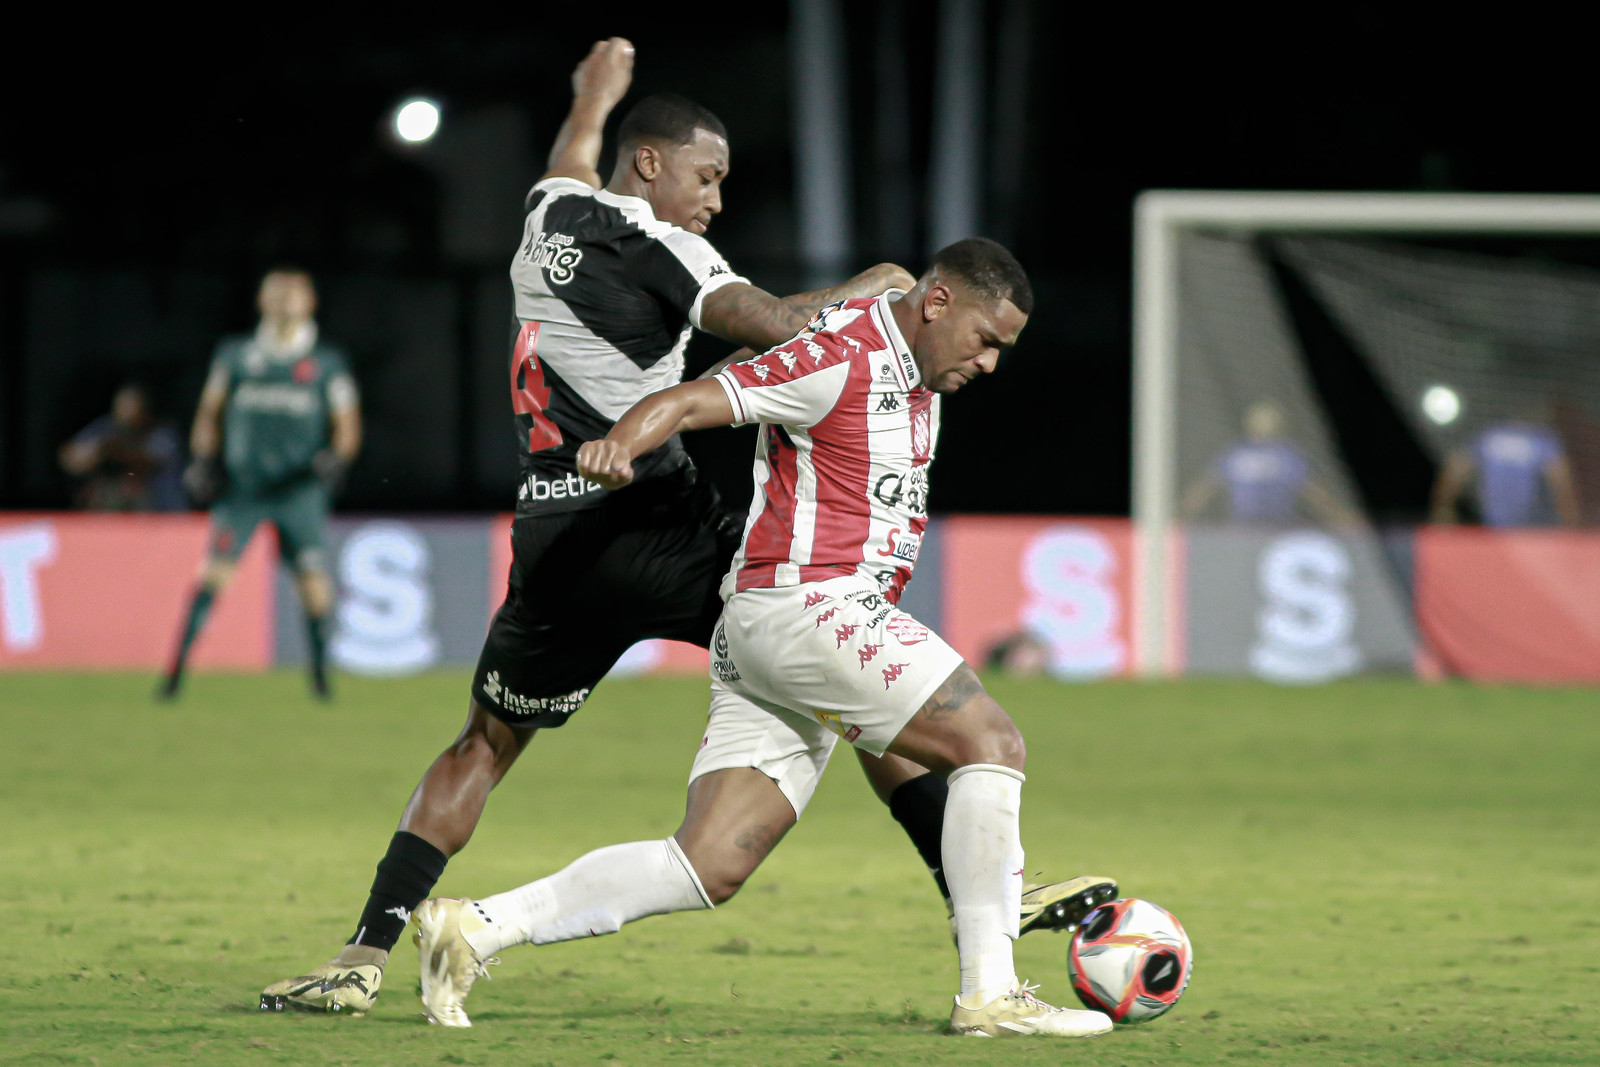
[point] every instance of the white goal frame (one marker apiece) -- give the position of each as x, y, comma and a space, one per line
1160, 218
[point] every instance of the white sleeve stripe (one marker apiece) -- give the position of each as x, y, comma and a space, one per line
732, 389
715, 282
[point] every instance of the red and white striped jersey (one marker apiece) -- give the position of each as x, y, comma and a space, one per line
841, 468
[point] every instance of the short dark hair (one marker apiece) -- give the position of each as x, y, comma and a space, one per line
988, 269
667, 117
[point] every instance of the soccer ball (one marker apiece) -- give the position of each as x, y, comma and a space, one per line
1130, 959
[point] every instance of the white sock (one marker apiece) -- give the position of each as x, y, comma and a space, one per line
595, 894
983, 865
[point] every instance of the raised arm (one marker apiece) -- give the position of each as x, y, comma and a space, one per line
695, 405
754, 317
600, 81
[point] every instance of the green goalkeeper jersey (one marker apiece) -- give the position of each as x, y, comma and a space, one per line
279, 401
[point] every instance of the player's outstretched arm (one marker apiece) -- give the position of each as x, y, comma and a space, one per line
754, 317
696, 405
599, 83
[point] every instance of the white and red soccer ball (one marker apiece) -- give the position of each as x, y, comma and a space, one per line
1130, 959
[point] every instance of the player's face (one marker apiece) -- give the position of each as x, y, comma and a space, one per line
962, 336
286, 297
686, 189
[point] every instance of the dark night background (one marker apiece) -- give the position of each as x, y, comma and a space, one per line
149, 173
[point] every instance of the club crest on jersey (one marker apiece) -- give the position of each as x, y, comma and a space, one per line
305, 371
921, 435
906, 630
553, 253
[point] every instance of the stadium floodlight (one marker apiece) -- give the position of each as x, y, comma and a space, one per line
1189, 239
1441, 404
416, 120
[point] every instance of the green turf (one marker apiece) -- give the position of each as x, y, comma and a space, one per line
1375, 872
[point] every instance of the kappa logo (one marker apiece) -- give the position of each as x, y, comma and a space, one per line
815, 351
788, 358
761, 369
492, 686
907, 630
826, 615
893, 671
890, 402
400, 912
716, 269
865, 654
813, 599
845, 633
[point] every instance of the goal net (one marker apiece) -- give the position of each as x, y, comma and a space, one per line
1367, 435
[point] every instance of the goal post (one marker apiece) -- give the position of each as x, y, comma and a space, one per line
1162, 221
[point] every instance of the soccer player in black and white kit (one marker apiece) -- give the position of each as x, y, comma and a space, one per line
608, 284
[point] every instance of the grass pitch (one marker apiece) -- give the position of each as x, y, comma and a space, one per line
1375, 872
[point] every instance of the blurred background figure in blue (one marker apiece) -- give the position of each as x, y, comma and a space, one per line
1266, 477
127, 459
1518, 474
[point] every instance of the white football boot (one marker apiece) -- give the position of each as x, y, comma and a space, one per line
1020, 1014
447, 963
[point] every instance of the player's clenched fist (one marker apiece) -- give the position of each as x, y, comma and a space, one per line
606, 463
606, 71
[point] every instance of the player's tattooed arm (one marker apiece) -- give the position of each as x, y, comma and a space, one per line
754, 317
691, 406
599, 83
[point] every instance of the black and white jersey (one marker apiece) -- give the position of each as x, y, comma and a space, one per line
606, 296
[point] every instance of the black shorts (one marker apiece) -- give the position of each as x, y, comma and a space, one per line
586, 585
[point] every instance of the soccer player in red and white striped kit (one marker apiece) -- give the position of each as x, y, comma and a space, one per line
811, 645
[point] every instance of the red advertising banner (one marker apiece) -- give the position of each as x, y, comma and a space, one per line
109, 591
1510, 605
1066, 582
671, 657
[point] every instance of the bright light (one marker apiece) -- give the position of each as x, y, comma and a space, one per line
416, 120
1441, 404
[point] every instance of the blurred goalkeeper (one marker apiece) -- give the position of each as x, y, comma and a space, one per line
277, 426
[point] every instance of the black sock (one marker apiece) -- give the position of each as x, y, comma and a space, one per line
918, 806
199, 609
406, 875
317, 639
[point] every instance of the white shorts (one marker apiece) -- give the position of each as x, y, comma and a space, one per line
795, 668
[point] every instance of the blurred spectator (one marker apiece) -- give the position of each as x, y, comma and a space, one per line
1267, 478
128, 459
1020, 654
1519, 473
